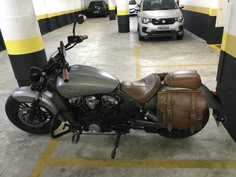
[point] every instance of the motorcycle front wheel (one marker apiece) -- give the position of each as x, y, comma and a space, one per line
18, 114
178, 134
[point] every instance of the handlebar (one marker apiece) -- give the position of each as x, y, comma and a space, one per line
57, 62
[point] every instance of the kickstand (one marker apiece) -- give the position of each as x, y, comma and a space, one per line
66, 128
113, 154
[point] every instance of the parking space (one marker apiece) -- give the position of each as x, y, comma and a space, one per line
209, 153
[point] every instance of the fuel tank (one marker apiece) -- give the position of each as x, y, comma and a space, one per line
86, 80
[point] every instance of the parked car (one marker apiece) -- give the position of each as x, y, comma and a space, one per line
133, 7
160, 18
97, 9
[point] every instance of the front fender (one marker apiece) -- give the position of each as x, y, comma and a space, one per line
25, 94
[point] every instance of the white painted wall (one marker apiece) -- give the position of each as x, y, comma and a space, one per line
213, 4
230, 22
42, 7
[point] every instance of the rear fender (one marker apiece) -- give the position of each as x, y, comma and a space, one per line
213, 103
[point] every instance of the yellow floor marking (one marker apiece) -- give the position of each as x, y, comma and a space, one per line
180, 65
137, 59
209, 164
45, 157
215, 47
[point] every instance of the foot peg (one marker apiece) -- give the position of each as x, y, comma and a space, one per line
113, 154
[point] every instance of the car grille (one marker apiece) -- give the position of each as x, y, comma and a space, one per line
163, 21
162, 32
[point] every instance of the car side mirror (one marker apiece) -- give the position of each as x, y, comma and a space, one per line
181, 6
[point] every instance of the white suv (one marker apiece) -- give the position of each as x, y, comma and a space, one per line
160, 18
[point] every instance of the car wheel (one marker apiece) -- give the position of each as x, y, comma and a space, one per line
141, 38
179, 37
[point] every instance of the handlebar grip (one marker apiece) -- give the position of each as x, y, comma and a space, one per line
65, 75
84, 37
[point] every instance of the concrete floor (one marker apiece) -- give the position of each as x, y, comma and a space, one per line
139, 154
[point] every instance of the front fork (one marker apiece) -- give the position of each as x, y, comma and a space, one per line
34, 105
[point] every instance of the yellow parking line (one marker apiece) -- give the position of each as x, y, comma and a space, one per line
180, 65
137, 59
209, 164
214, 46
45, 157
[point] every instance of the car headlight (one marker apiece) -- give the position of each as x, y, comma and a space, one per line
146, 20
179, 19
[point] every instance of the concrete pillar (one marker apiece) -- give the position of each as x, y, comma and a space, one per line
22, 37
112, 9
226, 85
123, 16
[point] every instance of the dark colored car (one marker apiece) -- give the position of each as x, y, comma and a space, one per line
97, 9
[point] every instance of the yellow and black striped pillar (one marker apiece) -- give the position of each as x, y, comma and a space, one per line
22, 37
112, 9
123, 16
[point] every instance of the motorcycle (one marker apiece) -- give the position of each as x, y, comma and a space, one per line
88, 100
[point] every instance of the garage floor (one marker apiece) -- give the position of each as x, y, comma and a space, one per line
209, 153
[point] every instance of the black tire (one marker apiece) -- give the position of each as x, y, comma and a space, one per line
14, 108
178, 134
179, 37
141, 38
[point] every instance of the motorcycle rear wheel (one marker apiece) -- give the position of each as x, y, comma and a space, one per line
178, 134
18, 113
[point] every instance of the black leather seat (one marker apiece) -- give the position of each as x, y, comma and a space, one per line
144, 89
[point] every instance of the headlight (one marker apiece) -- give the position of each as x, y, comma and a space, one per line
179, 19
146, 20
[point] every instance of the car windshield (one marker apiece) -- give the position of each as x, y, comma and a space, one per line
132, 2
95, 3
159, 5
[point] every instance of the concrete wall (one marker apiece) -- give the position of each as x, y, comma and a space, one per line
226, 82
200, 19
53, 14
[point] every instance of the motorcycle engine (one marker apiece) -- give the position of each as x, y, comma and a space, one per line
95, 110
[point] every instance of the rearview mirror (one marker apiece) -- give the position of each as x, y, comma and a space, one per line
81, 18
181, 6
62, 49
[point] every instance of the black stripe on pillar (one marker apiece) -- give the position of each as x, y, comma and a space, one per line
112, 14
22, 63
2, 45
123, 23
226, 89
49, 24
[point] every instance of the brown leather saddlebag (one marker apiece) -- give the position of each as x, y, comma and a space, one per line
181, 109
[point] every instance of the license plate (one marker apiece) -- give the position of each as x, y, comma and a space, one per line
163, 27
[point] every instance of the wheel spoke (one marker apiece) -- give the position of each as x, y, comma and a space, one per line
40, 118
